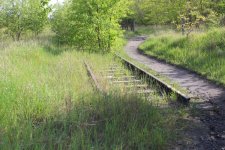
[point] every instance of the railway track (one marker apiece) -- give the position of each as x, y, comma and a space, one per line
210, 133
115, 78
131, 79
151, 79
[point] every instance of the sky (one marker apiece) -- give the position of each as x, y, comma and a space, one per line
55, 1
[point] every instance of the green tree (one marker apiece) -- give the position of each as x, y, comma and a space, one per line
219, 7
37, 15
22, 15
90, 24
1, 14
61, 24
157, 11
196, 14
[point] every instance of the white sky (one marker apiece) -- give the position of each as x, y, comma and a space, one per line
52, 2
55, 1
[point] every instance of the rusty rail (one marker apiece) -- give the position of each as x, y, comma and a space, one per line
92, 75
151, 78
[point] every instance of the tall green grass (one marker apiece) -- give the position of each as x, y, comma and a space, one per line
47, 102
141, 30
201, 52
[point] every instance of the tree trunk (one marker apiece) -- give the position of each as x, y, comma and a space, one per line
98, 32
13, 37
99, 39
18, 35
183, 26
109, 36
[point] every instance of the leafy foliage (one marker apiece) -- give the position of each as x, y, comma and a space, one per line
196, 14
19, 16
90, 25
157, 12
190, 13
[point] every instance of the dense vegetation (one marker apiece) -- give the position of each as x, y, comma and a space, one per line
19, 17
47, 102
171, 11
202, 52
46, 98
90, 25
95, 25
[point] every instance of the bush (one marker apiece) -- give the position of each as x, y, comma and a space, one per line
213, 41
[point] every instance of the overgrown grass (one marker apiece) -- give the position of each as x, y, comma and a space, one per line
47, 102
201, 52
145, 30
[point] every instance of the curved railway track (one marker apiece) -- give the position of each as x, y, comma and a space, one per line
207, 100
209, 134
138, 82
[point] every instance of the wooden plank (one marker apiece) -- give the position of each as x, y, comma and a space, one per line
137, 86
121, 78
145, 91
128, 81
150, 77
111, 70
141, 91
90, 72
117, 74
112, 77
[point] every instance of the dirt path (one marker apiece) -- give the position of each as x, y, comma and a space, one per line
209, 94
